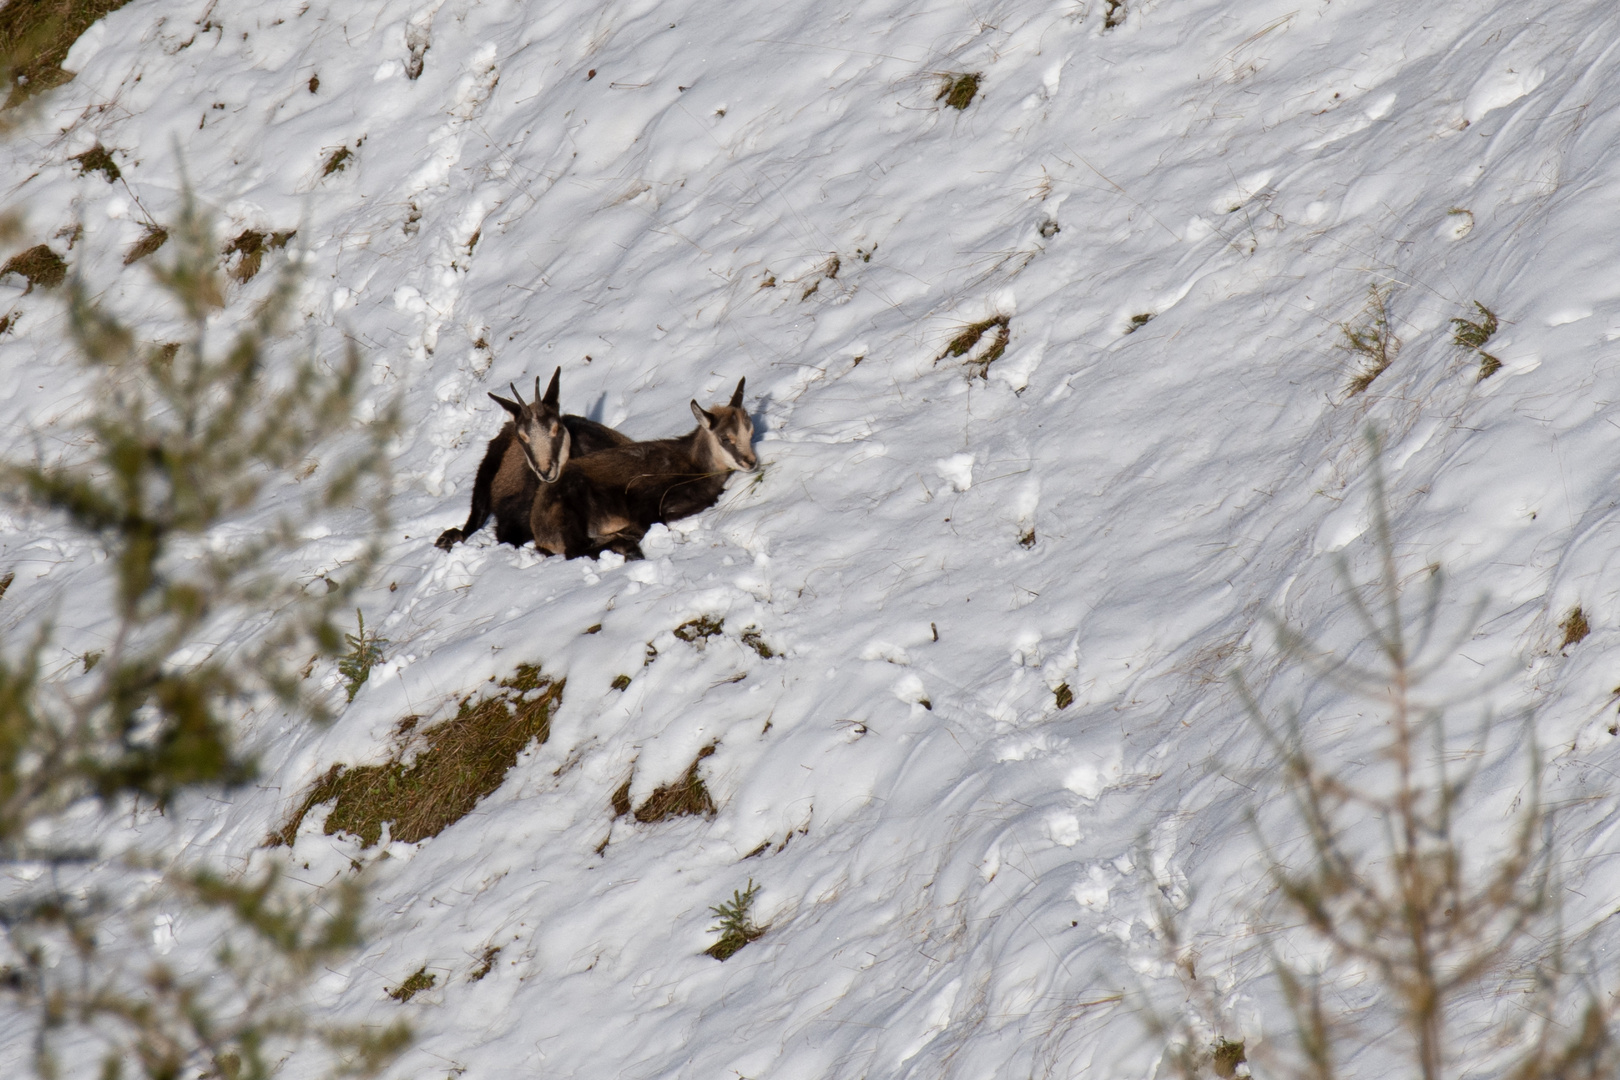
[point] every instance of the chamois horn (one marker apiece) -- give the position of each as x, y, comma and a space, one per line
516, 395
736, 398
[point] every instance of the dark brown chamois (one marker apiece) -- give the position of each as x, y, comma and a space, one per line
606, 501
533, 446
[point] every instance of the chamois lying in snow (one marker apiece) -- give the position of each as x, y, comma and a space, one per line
607, 500
533, 446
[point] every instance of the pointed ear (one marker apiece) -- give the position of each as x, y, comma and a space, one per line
736, 398
510, 406
553, 390
705, 418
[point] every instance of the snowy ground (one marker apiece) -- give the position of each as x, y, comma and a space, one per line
664, 197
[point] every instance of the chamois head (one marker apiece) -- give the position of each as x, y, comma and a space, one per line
727, 434
539, 428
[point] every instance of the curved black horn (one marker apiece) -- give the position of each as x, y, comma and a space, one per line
552, 391
736, 398
515, 393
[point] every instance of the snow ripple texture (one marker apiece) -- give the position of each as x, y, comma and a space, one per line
956, 871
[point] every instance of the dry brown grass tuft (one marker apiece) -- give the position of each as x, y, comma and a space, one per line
97, 159
39, 265
153, 238
337, 161
35, 36
250, 247
752, 638
968, 339
688, 795
486, 963
458, 763
1575, 628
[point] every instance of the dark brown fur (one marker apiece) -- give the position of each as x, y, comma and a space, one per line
506, 483
607, 500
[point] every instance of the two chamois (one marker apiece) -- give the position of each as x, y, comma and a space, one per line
533, 446
579, 499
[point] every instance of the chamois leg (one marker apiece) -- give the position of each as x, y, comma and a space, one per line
626, 542
480, 493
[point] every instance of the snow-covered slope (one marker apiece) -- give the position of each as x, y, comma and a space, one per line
663, 197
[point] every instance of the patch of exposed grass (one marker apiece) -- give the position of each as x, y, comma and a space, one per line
1027, 540
1371, 339
39, 265
736, 923
1139, 321
336, 161
1063, 696
1474, 335
688, 795
8, 320
153, 238
700, 629
1575, 628
457, 763
365, 652
421, 979
1114, 15
1228, 1056
752, 638
35, 36
97, 159
486, 964
620, 682
250, 247
620, 799
959, 89
968, 339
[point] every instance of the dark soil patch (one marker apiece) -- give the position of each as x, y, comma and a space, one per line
458, 762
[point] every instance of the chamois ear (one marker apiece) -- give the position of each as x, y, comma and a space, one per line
510, 406
705, 418
736, 398
552, 391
